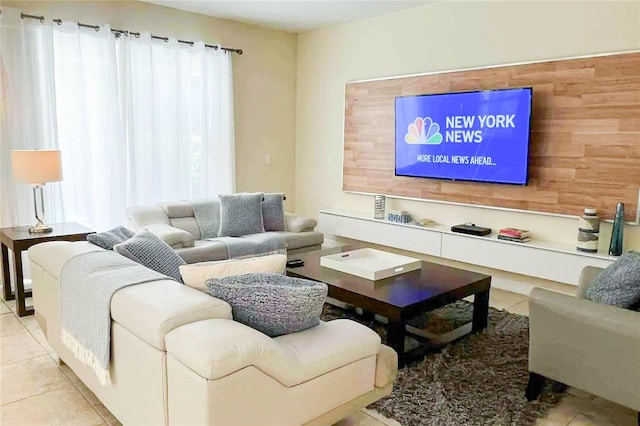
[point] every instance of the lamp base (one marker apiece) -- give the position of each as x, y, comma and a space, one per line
40, 228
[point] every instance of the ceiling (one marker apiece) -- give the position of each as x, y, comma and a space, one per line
292, 15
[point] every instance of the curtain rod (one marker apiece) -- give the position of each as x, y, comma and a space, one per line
136, 34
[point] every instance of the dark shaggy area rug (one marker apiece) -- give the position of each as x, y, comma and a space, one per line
478, 380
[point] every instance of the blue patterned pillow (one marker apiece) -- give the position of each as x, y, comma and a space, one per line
240, 214
150, 251
110, 238
273, 304
619, 283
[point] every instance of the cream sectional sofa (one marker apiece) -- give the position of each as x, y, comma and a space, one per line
178, 358
175, 223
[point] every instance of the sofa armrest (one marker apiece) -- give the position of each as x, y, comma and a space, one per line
295, 223
587, 276
151, 310
588, 345
175, 237
52, 255
386, 366
216, 348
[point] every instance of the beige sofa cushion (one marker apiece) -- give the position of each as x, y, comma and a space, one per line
139, 216
152, 310
188, 224
196, 275
175, 237
176, 209
216, 348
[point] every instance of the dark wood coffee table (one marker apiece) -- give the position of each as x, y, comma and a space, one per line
402, 297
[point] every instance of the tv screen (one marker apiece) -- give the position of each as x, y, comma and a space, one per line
477, 136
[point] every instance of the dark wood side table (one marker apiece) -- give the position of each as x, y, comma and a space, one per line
19, 239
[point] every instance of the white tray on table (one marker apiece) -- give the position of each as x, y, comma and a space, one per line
370, 263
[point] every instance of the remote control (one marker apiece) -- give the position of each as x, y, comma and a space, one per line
295, 263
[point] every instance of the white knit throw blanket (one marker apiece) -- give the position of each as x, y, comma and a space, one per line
88, 281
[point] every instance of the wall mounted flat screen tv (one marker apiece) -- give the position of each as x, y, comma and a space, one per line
475, 136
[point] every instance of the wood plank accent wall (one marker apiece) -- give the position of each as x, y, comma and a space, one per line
585, 136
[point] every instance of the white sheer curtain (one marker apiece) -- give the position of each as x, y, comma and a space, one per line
27, 112
180, 119
138, 120
91, 132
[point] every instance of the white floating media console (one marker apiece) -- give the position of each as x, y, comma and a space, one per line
537, 259
370, 264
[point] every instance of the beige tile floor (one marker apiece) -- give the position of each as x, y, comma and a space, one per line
35, 390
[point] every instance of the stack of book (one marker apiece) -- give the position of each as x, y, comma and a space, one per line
514, 234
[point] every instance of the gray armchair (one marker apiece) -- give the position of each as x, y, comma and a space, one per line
584, 344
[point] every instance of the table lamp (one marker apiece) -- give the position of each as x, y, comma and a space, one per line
37, 167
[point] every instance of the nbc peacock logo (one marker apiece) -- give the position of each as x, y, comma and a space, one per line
423, 131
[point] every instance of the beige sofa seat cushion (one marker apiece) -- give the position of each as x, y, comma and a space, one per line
204, 251
53, 261
296, 240
216, 348
152, 310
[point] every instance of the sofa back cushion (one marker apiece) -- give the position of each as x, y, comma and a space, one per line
140, 216
240, 214
176, 209
188, 224
181, 216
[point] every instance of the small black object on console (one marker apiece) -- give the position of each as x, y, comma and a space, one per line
471, 229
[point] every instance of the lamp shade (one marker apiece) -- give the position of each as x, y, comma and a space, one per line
36, 166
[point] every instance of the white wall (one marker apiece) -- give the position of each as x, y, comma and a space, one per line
438, 37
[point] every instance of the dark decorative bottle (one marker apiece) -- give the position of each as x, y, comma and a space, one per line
615, 248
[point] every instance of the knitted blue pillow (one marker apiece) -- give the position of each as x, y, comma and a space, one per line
273, 212
110, 238
273, 304
150, 251
240, 214
619, 283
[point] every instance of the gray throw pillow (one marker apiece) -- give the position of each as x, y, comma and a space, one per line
150, 251
619, 283
110, 238
273, 304
240, 214
273, 212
